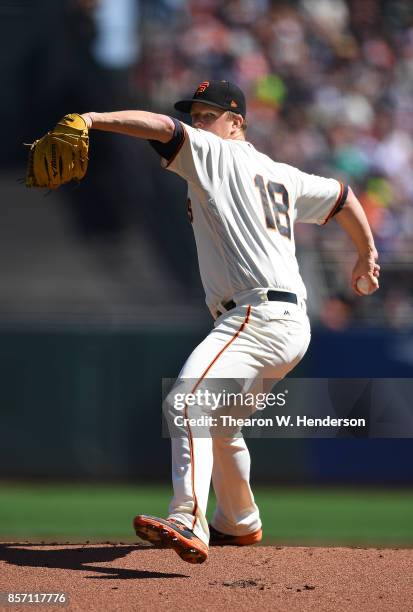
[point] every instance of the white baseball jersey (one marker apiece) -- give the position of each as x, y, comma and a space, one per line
243, 206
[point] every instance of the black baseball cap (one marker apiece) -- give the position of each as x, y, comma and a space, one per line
221, 94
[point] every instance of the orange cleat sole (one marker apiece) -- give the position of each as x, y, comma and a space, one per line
223, 539
164, 533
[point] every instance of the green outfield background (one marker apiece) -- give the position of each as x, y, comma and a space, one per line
295, 516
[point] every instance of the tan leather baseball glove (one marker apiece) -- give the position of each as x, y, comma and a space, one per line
60, 156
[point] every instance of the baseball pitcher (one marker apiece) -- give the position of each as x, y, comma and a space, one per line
243, 206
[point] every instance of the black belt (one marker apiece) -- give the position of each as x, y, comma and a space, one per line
272, 296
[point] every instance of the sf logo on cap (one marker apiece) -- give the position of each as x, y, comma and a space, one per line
202, 87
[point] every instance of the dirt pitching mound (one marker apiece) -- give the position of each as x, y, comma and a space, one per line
132, 577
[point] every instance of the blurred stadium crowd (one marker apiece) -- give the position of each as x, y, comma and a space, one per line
329, 85
330, 90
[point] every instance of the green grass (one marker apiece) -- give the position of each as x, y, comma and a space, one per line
295, 516
334, 516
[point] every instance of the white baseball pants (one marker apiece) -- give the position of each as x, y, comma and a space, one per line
252, 342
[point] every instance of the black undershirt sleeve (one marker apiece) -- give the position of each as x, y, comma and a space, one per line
342, 201
168, 149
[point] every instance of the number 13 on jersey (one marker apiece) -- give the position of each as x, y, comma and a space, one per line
275, 211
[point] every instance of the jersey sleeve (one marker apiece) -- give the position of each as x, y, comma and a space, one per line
167, 150
199, 159
318, 198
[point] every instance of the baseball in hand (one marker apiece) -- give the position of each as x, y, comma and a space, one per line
364, 286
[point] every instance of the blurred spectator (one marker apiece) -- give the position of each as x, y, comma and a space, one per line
116, 44
336, 313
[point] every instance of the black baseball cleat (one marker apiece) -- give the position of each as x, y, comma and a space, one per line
171, 534
216, 538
